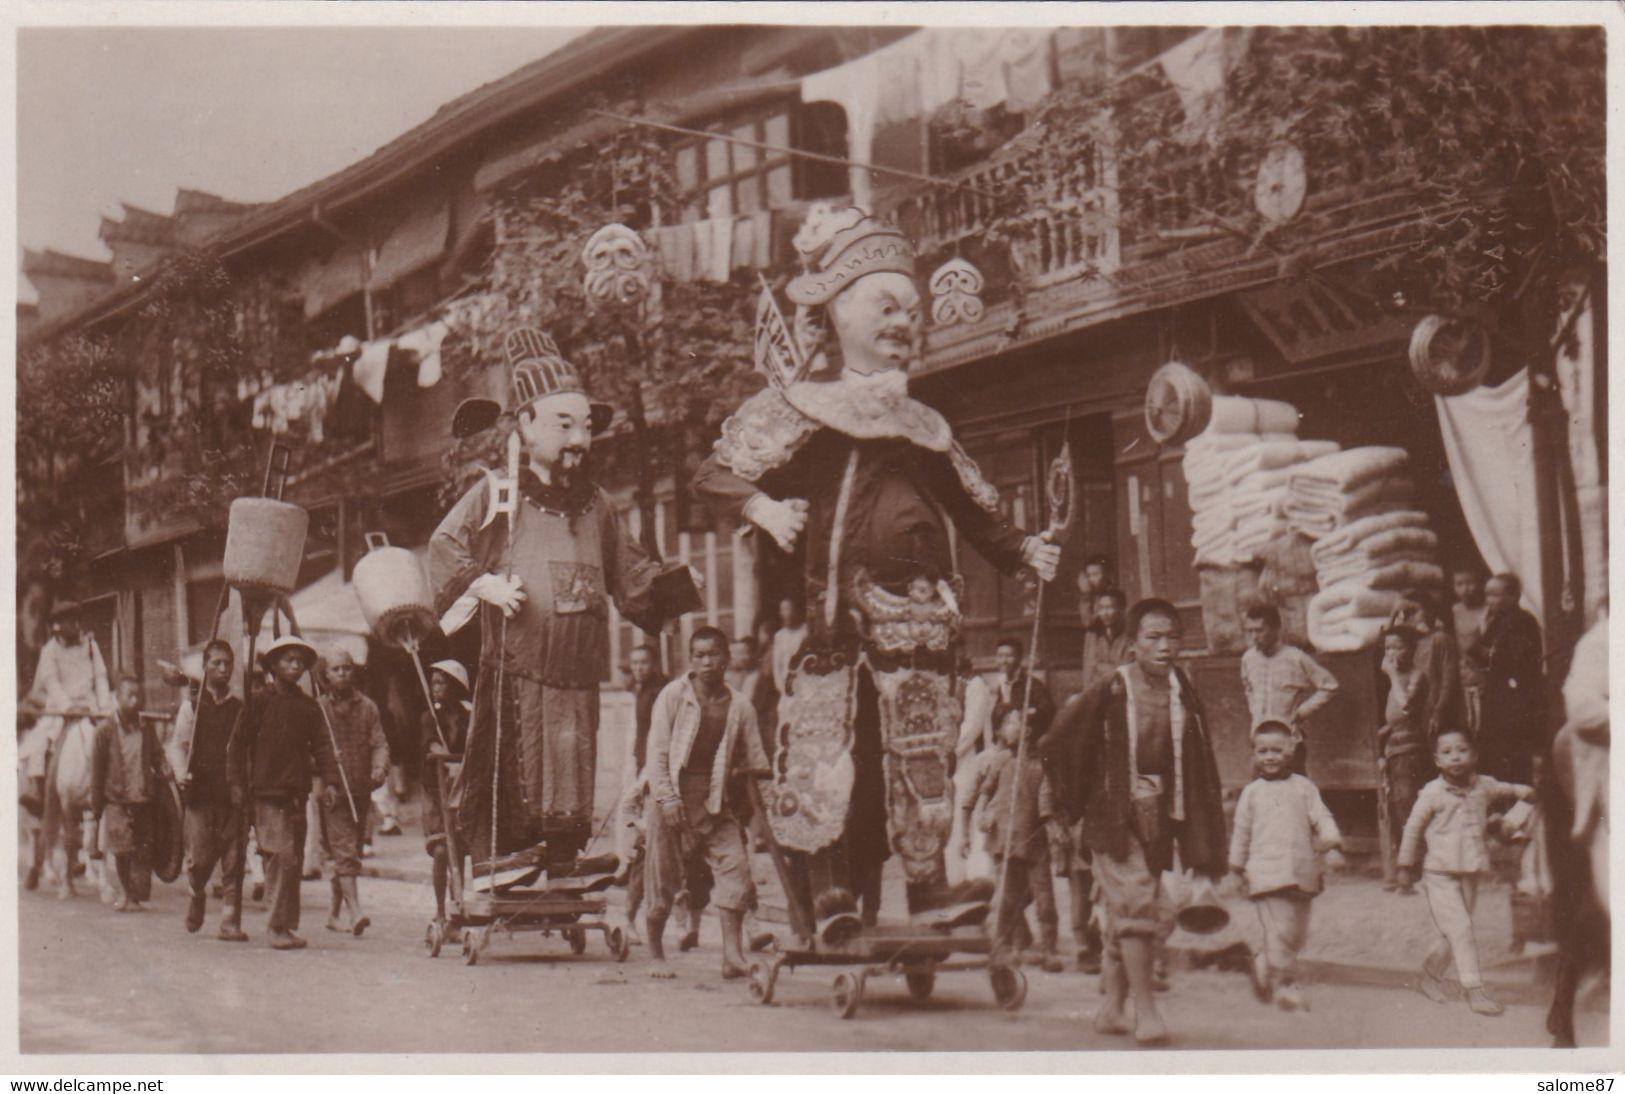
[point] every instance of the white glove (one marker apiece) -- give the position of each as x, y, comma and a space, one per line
783, 520
502, 590
1042, 555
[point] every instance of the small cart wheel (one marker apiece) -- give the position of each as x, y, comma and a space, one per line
1009, 986
473, 942
577, 939
434, 938
761, 981
920, 983
619, 947
846, 993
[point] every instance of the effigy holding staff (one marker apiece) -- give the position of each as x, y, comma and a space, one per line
541, 580
866, 481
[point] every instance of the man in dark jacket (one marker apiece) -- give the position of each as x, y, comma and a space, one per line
210, 764
286, 732
1512, 723
1133, 769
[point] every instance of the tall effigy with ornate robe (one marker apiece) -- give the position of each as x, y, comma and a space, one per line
540, 667
861, 767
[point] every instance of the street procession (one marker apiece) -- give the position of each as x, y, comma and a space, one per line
819, 538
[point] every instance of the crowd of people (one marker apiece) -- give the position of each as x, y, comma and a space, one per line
869, 494
1115, 787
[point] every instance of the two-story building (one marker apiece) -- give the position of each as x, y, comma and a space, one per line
1097, 270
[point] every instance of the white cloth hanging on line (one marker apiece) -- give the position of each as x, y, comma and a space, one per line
1490, 448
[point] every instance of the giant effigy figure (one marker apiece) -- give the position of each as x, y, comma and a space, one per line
868, 481
539, 558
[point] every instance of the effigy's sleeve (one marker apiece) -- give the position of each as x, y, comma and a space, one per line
754, 455
456, 556
972, 503
629, 572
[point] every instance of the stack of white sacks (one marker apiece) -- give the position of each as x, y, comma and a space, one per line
1237, 471
1371, 545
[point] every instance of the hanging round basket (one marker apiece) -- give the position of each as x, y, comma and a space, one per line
1449, 356
265, 543
394, 593
1178, 404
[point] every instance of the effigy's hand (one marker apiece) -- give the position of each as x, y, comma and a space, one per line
1042, 555
783, 520
505, 592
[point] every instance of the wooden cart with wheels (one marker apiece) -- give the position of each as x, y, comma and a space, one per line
913, 953
569, 907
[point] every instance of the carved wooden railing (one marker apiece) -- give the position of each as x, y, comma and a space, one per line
1061, 220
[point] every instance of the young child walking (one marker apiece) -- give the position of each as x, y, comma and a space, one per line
1448, 821
1028, 878
1280, 825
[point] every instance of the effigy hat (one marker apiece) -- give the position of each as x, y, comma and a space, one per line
859, 245
539, 370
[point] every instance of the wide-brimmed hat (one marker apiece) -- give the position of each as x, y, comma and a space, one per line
539, 370
290, 642
455, 670
861, 247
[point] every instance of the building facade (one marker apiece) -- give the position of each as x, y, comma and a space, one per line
346, 321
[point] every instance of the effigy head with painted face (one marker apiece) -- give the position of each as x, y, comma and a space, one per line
862, 272
555, 418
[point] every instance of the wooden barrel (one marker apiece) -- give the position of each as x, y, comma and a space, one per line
265, 543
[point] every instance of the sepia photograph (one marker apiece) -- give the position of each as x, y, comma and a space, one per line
920, 528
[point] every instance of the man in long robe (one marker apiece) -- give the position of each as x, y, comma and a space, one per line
543, 574
869, 481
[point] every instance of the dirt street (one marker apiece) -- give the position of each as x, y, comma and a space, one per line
96, 981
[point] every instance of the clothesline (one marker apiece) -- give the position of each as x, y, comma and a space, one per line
819, 157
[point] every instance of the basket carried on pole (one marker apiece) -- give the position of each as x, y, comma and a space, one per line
396, 601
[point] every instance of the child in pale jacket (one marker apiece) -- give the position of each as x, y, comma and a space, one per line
1449, 821
1280, 825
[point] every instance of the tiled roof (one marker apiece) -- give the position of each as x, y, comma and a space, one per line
139, 226
594, 53
201, 201
56, 264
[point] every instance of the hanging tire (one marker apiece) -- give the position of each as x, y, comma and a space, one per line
845, 994
434, 938
920, 983
619, 946
577, 939
760, 982
1009, 985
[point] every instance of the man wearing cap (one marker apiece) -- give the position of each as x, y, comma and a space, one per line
285, 735
864, 482
541, 559
349, 774
445, 734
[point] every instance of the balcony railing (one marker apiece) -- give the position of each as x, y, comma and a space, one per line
1090, 214
1059, 221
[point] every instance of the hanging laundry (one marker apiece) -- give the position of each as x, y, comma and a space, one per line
1011, 68
322, 392
675, 248
1198, 68
713, 248
425, 343
371, 366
